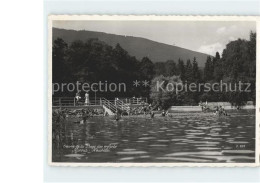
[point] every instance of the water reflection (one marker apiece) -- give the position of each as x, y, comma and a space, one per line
186, 137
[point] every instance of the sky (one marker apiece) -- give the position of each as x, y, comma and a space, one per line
202, 36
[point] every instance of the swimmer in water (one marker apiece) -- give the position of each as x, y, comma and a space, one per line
117, 115
152, 114
217, 111
224, 112
163, 113
84, 116
221, 111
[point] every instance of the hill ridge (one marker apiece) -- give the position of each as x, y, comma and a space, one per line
135, 46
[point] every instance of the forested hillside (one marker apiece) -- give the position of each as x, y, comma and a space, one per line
93, 60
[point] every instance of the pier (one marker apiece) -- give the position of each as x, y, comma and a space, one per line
110, 106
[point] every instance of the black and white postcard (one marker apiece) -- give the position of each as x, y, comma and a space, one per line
153, 90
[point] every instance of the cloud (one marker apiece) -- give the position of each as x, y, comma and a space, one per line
231, 38
221, 30
227, 30
224, 35
211, 49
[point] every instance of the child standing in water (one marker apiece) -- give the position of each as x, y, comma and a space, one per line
84, 116
77, 97
163, 113
152, 114
118, 115
86, 98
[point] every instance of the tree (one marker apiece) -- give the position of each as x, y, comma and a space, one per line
159, 68
94, 61
195, 71
218, 68
252, 67
181, 69
217, 56
237, 64
171, 68
208, 72
163, 91
147, 72
214, 61
189, 71
252, 54
146, 68
60, 68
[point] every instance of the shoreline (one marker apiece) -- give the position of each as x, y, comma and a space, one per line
198, 108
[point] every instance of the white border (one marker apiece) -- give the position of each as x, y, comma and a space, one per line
152, 18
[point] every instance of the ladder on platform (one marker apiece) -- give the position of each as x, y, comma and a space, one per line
108, 106
112, 107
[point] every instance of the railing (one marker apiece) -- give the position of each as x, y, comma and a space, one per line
120, 103
109, 104
134, 100
71, 101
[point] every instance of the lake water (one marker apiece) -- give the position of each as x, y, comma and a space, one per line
185, 137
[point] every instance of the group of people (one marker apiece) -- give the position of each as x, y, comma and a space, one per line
218, 110
144, 110
78, 97
139, 110
204, 107
80, 113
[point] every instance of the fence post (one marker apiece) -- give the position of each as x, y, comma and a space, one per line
59, 102
74, 102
